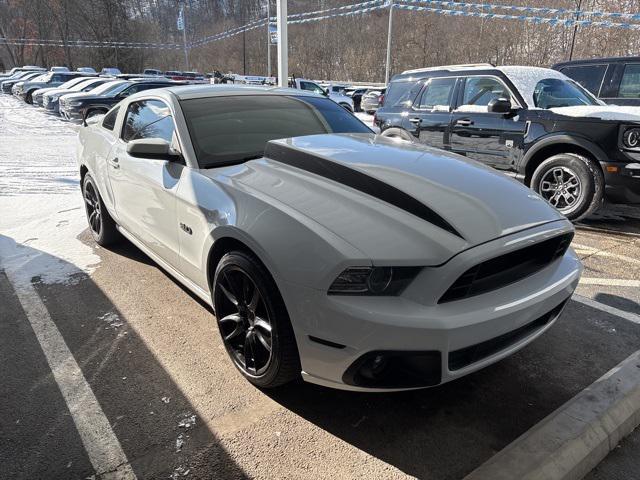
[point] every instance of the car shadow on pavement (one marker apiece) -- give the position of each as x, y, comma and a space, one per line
616, 301
148, 412
614, 217
445, 432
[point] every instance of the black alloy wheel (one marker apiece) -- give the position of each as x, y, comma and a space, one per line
253, 321
244, 322
102, 227
94, 211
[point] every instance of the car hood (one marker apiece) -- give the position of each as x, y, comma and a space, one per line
84, 97
602, 112
393, 200
50, 91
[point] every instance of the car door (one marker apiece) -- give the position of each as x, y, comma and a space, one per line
478, 133
430, 114
626, 89
144, 188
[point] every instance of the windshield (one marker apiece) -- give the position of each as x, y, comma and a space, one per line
117, 89
72, 82
109, 87
557, 92
37, 78
234, 129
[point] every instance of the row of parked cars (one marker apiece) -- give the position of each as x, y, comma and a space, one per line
571, 133
80, 93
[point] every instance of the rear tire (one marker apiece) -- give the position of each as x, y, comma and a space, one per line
253, 321
572, 183
101, 225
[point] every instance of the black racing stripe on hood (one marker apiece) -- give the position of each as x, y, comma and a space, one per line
360, 181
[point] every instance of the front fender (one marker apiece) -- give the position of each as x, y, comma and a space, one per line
564, 139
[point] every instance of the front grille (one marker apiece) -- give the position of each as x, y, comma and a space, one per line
466, 356
506, 269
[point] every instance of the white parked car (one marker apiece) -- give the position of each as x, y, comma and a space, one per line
354, 261
338, 97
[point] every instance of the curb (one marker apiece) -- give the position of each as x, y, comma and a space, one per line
572, 440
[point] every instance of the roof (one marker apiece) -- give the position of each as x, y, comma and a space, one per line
591, 61
200, 91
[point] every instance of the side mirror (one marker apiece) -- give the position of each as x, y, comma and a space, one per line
153, 148
325, 92
499, 105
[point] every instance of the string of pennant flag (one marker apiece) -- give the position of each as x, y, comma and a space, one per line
559, 17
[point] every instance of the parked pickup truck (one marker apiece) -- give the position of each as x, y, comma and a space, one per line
340, 98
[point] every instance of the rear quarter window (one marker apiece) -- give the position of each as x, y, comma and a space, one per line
589, 76
401, 93
630, 83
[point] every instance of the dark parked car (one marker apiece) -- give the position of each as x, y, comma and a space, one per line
51, 99
99, 101
51, 79
37, 96
356, 94
8, 84
613, 80
372, 100
534, 124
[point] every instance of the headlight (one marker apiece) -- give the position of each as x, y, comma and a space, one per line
373, 280
73, 104
631, 138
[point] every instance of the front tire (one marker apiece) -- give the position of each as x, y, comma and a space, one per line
253, 321
572, 183
101, 225
29, 98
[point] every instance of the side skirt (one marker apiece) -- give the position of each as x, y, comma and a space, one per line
203, 295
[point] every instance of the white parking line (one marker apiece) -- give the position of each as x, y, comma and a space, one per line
586, 250
99, 440
611, 282
632, 317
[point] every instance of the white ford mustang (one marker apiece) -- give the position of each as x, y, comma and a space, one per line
358, 262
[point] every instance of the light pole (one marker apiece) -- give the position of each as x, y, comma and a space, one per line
389, 35
283, 51
575, 28
268, 38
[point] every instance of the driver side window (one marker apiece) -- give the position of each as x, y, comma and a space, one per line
311, 87
479, 91
148, 119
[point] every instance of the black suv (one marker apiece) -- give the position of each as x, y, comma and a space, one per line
534, 124
614, 80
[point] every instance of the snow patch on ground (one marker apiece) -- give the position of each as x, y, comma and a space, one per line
367, 120
41, 208
604, 112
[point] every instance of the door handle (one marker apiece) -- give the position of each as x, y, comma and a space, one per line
114, 162
415, 121
464, 123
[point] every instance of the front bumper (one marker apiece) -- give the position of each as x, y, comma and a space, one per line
51, 105
72, 114
334, 333
622, 182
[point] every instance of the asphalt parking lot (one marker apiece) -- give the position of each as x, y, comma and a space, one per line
175, 406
